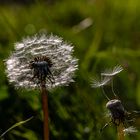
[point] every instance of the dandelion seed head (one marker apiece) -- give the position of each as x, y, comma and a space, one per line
48, 55
111, 72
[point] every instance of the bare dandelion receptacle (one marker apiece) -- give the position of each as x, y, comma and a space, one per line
117, 111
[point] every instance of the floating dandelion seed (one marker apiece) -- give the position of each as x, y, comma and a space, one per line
99, 83
40, 58
108, 72
44, 62
106, 78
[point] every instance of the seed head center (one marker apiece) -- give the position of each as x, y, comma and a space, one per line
41, 69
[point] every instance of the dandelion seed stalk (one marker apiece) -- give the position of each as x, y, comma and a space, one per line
120, 129
44, 96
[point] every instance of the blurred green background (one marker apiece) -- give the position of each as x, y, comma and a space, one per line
105, 33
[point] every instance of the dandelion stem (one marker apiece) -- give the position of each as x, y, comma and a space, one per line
120, 129
44, 95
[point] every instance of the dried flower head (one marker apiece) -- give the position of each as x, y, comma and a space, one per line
41, 58
119, 115
111, 72
117, 111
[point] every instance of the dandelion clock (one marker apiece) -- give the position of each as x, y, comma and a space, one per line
41, 62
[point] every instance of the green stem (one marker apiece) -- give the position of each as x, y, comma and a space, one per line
44, 96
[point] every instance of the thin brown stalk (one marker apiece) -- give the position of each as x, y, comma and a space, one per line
120, 129
44, 96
